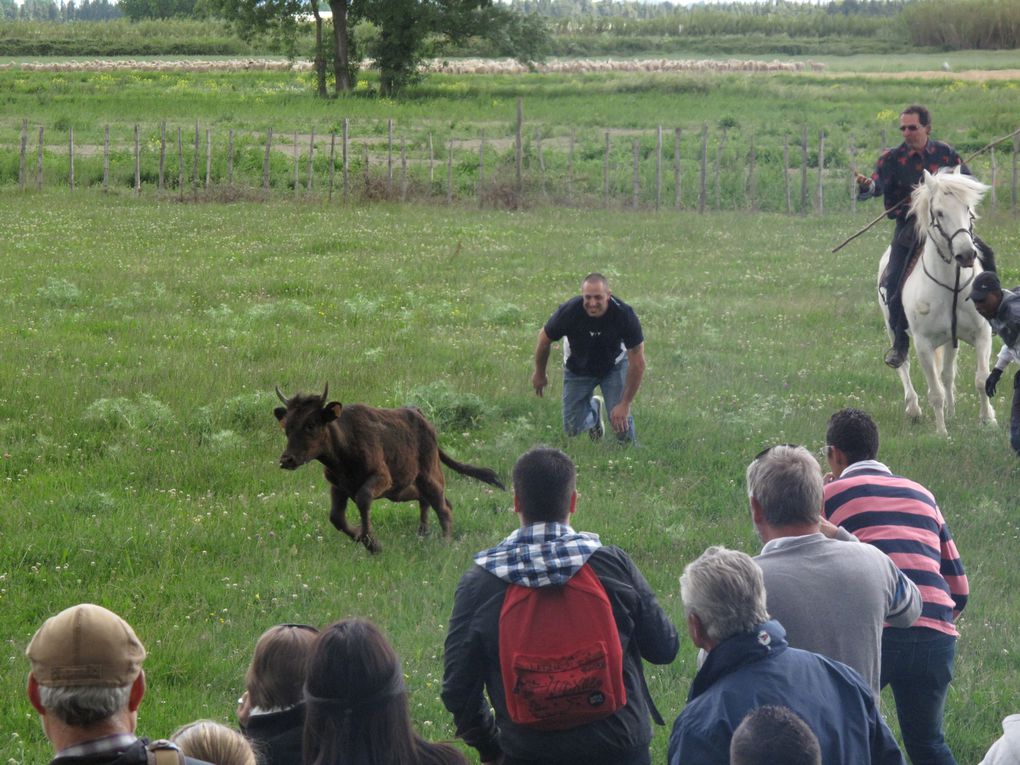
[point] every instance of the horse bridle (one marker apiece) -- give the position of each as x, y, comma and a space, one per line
949, 238
949, 261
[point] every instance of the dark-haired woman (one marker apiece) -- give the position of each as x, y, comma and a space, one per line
356, 704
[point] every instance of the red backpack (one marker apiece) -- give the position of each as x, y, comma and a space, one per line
560, 653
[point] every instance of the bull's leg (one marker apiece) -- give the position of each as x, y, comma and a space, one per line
372, 488
435, 495
338, 513
423, 518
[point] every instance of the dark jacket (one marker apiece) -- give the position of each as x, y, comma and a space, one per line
472, 663
276, 736
750, 670
135, 754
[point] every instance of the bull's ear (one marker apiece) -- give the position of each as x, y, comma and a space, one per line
281, 414
331, 411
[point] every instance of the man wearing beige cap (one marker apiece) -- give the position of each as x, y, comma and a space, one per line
86, 683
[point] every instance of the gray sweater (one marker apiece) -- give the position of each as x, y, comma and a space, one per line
834, 596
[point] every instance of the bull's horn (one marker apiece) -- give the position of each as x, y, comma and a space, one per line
325, 392
280, 395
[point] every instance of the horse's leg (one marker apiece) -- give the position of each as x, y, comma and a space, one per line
949, 354
913, 409
928, 359
982, 349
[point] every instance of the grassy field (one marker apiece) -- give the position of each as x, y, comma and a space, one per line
143, 341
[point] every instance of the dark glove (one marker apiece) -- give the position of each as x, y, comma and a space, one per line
991, 381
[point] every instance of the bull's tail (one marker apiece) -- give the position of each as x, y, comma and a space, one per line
485, 475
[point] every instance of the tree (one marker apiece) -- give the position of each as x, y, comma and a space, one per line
281, 18
410, 30
156, 9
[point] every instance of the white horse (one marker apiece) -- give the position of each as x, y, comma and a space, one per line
935, 292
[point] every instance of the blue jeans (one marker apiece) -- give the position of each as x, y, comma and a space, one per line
578, 409
1014, 416
918, 663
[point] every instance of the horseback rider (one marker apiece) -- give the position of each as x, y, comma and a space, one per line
897, 172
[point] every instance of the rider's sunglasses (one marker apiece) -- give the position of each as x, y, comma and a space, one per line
911, 128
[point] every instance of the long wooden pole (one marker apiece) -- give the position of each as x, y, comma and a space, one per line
976, 154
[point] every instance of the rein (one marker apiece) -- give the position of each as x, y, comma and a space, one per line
958, 288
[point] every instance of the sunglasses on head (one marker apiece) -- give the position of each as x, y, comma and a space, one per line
911, 128
763, 452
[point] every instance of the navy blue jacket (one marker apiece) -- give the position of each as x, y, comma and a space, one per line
750, 670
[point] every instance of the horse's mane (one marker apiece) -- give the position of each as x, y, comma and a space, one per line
946, 181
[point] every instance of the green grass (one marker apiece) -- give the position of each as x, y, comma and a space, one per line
142, 340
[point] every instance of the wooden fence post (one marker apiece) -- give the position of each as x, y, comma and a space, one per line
637, 173
803, 171
605, 174
821, 172
332, 163
389, 158
23, 163
198, 149
138, 161
786, 174
70, 155
180, 163
1016, 151
311, 162
541, 161
346, 158
39, 162
230, 157
106, 158
852, 151
703, 179
752, 181
208, 157
364, 160
265, 160
162, 153
449, 173
481, 168
678, 202
994, 179
718, 167
403, 169
297, 165
519, 146
432, 163
570, 165
658, 168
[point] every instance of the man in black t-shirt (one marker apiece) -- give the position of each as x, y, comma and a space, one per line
603, 347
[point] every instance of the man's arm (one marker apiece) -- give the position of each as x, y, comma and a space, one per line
463, 679
620, 416
952, 571
905, 599
538, 378
656, 636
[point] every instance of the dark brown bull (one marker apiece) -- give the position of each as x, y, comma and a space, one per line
370, 453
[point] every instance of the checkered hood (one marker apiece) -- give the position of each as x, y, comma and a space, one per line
539, 555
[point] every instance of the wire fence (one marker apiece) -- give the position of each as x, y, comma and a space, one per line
699, 168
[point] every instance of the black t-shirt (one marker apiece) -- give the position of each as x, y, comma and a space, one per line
595, 344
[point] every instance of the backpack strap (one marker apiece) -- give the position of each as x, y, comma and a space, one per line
164, 752
656, 715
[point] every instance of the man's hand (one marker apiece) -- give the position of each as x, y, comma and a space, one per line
538, 381
991, 381
620, 418
864, 183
